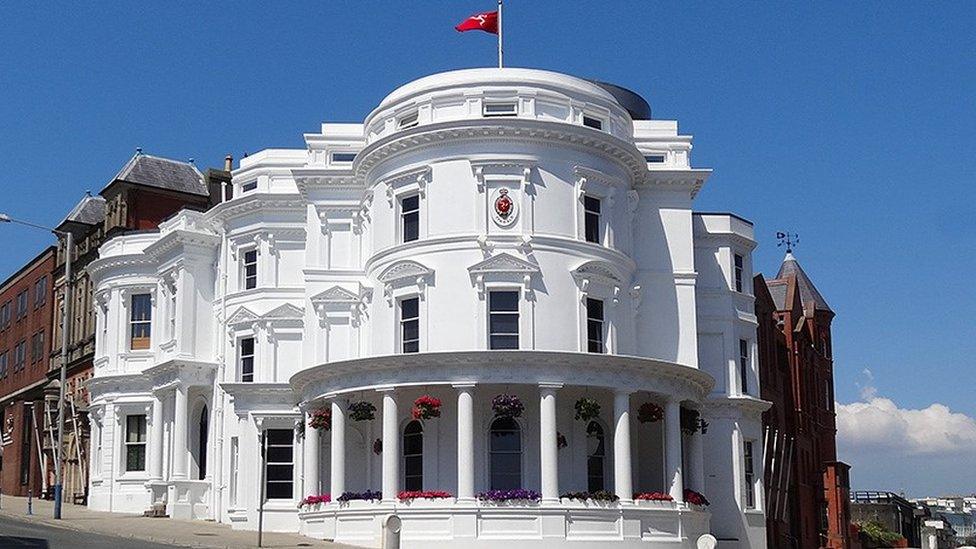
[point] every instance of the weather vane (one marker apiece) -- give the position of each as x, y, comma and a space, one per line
788, 239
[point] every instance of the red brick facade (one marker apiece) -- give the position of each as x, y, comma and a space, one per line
806, 487
26, 314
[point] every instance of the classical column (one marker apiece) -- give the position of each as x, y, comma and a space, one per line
549, 450
696, 463
672, 444
465, 442
338, 448
622, 468
391, 446
311, 458
156, 439
180, 452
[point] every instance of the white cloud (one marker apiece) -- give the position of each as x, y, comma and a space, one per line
877, 423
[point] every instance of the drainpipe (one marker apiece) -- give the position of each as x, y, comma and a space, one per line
218, 398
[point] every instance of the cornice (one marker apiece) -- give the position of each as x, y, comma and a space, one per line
691, 179
256, 202
736, 406
181, 237
545, 133
308, 177
98, 267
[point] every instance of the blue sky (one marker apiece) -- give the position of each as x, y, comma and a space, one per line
850, 123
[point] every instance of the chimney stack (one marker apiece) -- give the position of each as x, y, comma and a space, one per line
228, 163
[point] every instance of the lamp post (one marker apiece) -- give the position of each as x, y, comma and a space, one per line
59, 449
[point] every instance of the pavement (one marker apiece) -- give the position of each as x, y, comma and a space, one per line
82, 527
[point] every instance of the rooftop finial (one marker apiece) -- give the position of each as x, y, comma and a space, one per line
191, 160
138, 151
790, 240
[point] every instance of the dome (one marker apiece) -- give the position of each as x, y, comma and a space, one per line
636, 105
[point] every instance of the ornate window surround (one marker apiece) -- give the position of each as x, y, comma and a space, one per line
265, 329
590, 182
599, 280
504, 271
403, 184
403, 277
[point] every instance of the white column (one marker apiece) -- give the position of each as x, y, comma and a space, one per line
311, 458
549, 450
338, 449
180, 453
672, 455
465, 442
622, 468
156, 440
391, 446
696, 463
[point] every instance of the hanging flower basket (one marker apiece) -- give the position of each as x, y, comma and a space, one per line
587, 409
691, 422
378, 446
653, 496
505, 405
426, 407
649, 413
362, 411
321, 419
561, 441
517, 494
694, 497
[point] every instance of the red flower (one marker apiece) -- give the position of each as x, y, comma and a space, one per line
653, 496
424, 494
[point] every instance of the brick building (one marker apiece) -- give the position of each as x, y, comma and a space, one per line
806, 487
26, 313
147, 190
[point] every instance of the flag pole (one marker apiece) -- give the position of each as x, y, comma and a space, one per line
500, 34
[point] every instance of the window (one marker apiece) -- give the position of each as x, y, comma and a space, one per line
750, 477
413, 456
744, 365
505, 449
37, 347
140, 322
202, 432
250, 269
247, 359
594, 326
249, 186
3, 364
279, 469
591, 122
410, 325
407, 121
343, 157
97, 459
654, 158
410, 218
596, 454
40, 291
25, 444
22, 305
503, 320
738, 273
20, 356
591, 219
5, 316
135, 443
507, 108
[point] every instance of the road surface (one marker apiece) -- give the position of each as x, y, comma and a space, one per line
28, 535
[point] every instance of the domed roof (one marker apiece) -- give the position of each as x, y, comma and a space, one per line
637, 106
498, 77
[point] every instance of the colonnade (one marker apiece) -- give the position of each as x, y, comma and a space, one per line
549, 462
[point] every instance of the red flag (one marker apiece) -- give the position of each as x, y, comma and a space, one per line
487, 21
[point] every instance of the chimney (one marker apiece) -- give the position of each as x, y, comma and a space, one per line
228, 163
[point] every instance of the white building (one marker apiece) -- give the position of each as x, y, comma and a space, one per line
483, 232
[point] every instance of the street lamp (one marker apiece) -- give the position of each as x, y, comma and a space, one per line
59, 449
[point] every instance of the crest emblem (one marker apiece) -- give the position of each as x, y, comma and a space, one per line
504, 210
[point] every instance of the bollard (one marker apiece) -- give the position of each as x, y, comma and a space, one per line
707, 541
391, 532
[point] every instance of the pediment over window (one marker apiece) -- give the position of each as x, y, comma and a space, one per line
403, 269
338, 299
599, 277
504, 268
284, 312
335, 294
242, 315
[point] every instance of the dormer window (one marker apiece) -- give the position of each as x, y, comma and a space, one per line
408, 121
343, 157
506, 108
592, 122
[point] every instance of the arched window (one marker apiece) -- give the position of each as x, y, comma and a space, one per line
413, 456
595, 456
202, 441
505, 448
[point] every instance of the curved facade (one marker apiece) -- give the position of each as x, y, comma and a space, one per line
483, 233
